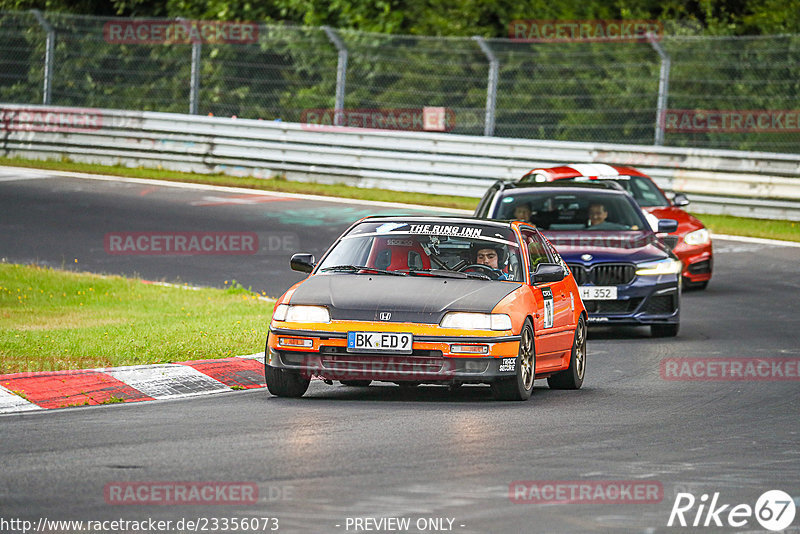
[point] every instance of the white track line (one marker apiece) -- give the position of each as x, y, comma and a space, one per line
758, 240
240, 190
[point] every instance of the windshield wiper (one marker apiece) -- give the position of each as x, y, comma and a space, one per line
446, 274
357, 268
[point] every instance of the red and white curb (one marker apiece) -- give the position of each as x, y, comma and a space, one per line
22, 392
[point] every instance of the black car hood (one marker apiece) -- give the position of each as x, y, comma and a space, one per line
363, 297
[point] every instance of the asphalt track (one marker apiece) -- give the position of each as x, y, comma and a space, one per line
342, 453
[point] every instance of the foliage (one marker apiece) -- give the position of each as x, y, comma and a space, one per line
596, 92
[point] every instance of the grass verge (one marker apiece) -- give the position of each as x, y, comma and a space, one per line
764, 228
721, 224
56, 320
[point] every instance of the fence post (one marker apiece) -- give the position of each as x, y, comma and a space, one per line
663, 89
50, 46
491, 89
194, 88
341, 74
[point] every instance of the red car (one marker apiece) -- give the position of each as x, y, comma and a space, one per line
691, 242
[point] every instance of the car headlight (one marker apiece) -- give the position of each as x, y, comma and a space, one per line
301, 314
476, 321
698, 237
666, 266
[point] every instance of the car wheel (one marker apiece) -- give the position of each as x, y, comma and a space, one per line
572, 376
664, 330
285, 383
519, 387
356, 383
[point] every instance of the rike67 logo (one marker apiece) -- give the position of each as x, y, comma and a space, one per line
774, 510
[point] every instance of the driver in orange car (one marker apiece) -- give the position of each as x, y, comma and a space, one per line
492, 257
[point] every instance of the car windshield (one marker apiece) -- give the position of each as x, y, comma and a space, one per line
644, 191
574, 210
428, 249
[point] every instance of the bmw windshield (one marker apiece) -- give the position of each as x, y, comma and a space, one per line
458, 249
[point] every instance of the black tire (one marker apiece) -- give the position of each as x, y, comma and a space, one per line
519, 387
356, 383
284, 383
664, 330
572, 376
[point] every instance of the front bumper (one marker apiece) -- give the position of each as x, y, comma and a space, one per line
430, 362
645, 301
698, 261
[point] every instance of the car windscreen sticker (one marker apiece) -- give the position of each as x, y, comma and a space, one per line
445, 229
389, 227
435, 230
547, 294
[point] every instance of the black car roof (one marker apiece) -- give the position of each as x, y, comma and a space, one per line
607, 185
563, 188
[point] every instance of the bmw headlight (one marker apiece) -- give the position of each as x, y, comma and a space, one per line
301, 314
666, 266
476, 321
698, 237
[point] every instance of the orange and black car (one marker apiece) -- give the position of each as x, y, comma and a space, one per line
442, 300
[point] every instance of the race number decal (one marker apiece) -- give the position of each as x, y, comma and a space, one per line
547, 294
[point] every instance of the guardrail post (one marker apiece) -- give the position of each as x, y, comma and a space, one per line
491, 89
194, 88
50, 46
341, 73
663, 89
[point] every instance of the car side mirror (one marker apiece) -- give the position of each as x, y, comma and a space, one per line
303, 262
680, 200
667, 226
548, 272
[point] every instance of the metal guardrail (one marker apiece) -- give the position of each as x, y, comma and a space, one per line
755, 184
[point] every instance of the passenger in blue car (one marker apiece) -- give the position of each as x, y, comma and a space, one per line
522, 212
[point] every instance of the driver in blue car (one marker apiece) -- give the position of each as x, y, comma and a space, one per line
492, 257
